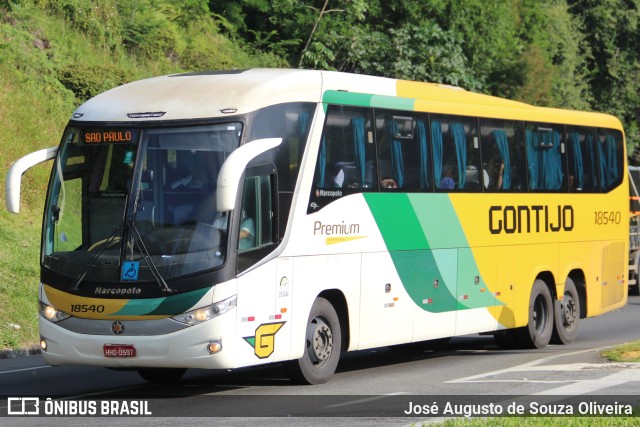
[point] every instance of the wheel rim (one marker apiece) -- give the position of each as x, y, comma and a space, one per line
540, 314
568, 310
320, 341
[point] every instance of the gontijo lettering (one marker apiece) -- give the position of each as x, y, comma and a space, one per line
530, 219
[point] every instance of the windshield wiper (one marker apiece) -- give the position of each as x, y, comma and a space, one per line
147, 258
80, 277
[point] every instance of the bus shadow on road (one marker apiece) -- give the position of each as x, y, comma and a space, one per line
275, 375
206, 382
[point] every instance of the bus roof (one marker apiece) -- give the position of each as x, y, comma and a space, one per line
201, 95
210, 94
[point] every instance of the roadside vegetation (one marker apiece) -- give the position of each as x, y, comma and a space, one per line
629, 352
520, 421
53, 56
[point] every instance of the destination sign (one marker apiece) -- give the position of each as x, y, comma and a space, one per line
109, 136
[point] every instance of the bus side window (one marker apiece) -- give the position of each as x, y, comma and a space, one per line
611, 155
346, 158
582, 154
346, 162
545, 157
403, 156
257, 220
456, 153
502, 156
248, 215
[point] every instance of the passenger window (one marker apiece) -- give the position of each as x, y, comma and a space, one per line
403, 156
346, 158
545, 156
346, 162
582, 154
257, 227
503, 162
256, 217
456, 153
611, 152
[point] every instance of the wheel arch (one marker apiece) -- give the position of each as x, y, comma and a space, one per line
578, 278
339, 303
548, 278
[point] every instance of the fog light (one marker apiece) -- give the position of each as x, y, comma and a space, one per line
43, 344
215, 346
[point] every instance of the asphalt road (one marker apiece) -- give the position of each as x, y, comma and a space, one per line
374, 387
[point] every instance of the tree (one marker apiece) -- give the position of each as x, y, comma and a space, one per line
613, 58
553, 64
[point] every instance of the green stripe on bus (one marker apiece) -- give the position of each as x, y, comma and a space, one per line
429, 276
179, 303
346, 98
426, 280
162, 306
366, 100
397, 221
439, 220
392, 102
139, 307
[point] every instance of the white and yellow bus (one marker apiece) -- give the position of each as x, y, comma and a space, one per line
229, 219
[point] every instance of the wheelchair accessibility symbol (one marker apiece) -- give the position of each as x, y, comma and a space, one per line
130, 270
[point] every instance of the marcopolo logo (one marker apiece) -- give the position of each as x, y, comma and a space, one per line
118, 291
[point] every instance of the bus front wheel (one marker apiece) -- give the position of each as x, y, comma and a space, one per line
566, 315
537, 333
323, 344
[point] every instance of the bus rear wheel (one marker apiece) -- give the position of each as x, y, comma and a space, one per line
537, 333
162, 375
566, 315
634, 290
323, 344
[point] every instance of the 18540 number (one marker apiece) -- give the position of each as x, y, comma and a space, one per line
85, 308
607, 217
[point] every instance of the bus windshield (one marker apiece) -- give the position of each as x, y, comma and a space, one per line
137, 204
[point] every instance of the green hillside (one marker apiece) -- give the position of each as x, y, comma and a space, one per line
53, 56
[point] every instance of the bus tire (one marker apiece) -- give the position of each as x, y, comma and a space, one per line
566, 315
323, 344
537, 333
162, 375
634, 290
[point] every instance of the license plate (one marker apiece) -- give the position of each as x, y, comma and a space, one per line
119, 350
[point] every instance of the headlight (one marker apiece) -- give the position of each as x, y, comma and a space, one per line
52, 314
207, 313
